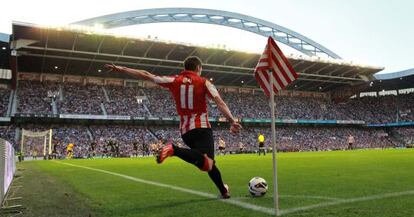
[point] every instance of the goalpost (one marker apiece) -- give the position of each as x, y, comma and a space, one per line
34, 143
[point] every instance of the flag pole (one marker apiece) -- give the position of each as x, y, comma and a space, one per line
272, 111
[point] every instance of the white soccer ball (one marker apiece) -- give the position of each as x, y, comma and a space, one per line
257, 186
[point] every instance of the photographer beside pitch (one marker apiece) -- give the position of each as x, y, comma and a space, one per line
190, 92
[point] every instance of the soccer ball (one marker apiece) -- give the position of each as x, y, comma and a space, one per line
257, 186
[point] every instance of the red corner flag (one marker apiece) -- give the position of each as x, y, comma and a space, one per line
282, 72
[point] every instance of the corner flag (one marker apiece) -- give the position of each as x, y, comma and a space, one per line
273, 73
274, 61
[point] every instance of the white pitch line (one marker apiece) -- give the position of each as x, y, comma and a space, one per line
299, 196
344, 201
265, 210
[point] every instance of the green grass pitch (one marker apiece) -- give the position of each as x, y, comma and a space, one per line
338, 183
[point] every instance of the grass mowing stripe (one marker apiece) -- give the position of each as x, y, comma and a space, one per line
199, 193
377, 173
343, 201
313, 197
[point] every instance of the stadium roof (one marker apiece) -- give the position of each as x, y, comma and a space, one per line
216, 17
393, 81
4, 37
393, 75
81, 51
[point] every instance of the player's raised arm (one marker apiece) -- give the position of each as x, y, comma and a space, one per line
137, 73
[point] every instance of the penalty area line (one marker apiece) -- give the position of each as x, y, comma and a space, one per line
245, 205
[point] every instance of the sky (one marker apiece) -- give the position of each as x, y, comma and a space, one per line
371, 32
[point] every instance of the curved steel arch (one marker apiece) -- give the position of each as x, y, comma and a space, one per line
217, 17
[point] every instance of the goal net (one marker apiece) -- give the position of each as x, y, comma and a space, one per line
36, 144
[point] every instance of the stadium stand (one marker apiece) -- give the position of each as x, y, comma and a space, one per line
87, 99
309, 138
8, 133
123, 135
381, 109
289, 138
160, 102
77, 100
122, 101
81, 99
33, 97
170, 134
406, 135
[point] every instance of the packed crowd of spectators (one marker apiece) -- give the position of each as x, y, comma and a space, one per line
379, 109
160, 102
307, 138
169, 134
81, 99
407, 135
249, 105
125, 136
4, 101
405, 107
87, 99
37, 97
8, 133
123, 101
33, 97
76, 134
246, 105
308, 108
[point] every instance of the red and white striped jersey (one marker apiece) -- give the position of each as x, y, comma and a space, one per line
190, 93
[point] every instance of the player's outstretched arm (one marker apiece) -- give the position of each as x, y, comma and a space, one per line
137, 73
235, 127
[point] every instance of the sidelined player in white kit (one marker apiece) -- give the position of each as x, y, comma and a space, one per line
351, 141
190, 92
222, 146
